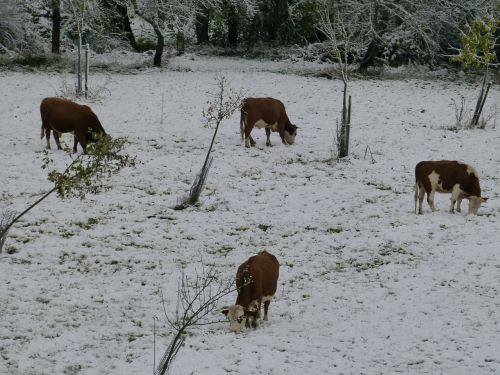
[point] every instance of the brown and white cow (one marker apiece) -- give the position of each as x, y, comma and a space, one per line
446, 176
268, 113
63, 116
256, 281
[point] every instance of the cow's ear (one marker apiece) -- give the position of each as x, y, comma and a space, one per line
225, 311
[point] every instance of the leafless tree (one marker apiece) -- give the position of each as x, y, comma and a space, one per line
337, 22
222, 103
168, 16
10, 26
197, 298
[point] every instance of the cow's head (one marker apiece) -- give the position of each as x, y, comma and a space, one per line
290, 133
475, 203
236, 317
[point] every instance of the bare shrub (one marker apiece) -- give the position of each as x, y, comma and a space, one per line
96, 94
462, 115
6, 218
197, 297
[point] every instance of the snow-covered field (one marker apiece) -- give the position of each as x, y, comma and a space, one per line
366, 286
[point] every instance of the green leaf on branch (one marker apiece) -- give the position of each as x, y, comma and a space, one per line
88, 173
478, 41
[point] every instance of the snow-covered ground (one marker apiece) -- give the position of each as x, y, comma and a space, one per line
366, 286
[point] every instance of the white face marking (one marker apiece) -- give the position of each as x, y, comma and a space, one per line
289, 138
236, 316
474, 204
254, 305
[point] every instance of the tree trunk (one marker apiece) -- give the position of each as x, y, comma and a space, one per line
56, 26
126, 27
160, 43
180, 43
120, 20
202, 21
370, 55
232, 29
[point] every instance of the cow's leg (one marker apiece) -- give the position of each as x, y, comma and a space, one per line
421, 194
282, 135
430, 199
252, 142
47, 136
248, 142
268, 135
75, 143
455, 196
266, 308
459, 202
80, 137
56, 138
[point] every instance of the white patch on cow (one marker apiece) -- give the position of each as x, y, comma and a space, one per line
435, 185
261, 124
267, 298
289, 138
236, 316
470, 169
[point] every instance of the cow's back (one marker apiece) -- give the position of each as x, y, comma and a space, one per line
263, 270
449, 172
269, 110
66, 116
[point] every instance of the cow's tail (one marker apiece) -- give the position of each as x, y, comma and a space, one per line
41, 136
416, 196
242, 121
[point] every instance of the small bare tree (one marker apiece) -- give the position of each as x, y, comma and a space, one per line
336, 23
197, 298
86, 174
223, 102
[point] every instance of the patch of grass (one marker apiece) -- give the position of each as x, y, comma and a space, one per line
334, 230
389, 249
264, 227
72, 369
134, 336
89, 224
379, 186
370, 264
222, 250
310, 228
12, 250
65, 233
43, 300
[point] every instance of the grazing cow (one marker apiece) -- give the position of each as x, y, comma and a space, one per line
268, 113
62, 116
445, 176
256, 281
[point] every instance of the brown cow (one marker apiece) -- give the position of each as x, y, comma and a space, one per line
62, 116
268, 113
256, 281
445, 176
